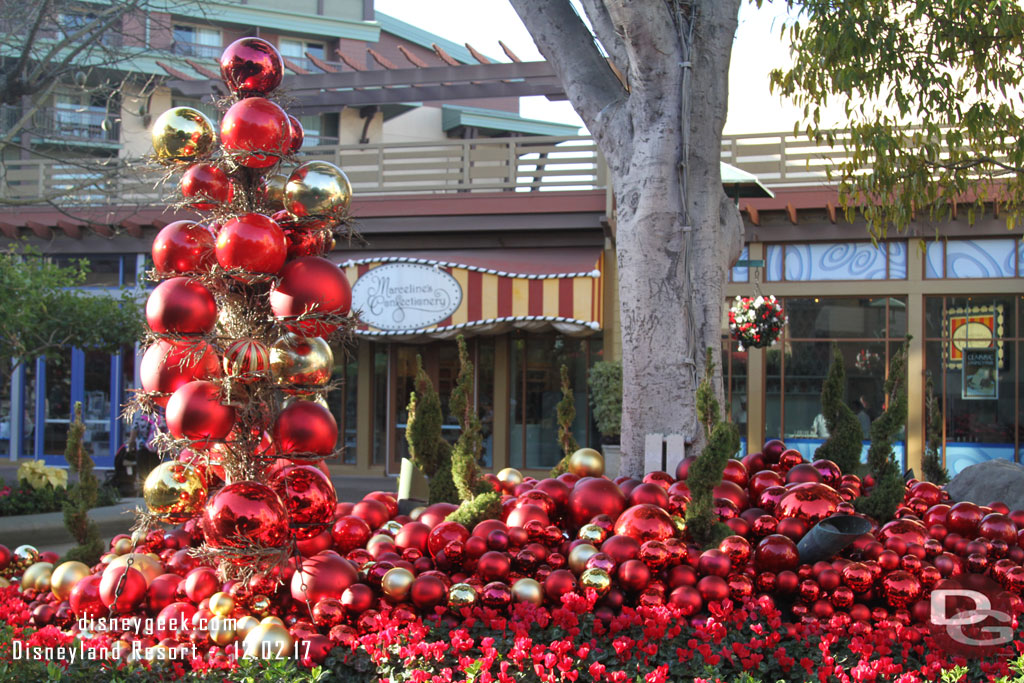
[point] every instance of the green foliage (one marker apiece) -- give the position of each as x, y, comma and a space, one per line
82, 497
467, 449
427, 447
482, 506
723, 440
931, 464
566, 413
887, 494
843, 445
43, 311
947, 67
605, 382
30, 501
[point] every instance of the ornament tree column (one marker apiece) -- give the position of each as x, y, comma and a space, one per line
241, 323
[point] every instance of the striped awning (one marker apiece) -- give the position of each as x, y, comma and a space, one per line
418, 296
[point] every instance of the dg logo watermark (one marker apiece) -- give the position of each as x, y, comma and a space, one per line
971, 615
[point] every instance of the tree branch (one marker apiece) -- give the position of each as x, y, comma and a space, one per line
650, 38
611, 41
30, 40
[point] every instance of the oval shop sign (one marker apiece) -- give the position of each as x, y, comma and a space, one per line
405, 296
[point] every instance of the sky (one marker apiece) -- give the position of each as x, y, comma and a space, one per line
756, 51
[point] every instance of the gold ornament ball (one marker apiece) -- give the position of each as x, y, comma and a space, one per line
461, 595
272, 620
268, 641
317, 189
586, 462
4, 583
174, 491
182, 134
36, 576
122, 546
65, 576
260, 604
273, 191
221, 603
592, 534
396, 583
245, 624
221, 628
119, 649
149, 567
392, 527
528, 590
597, 580
377, 540
510, 475
416, 512
26, 554
301, 361
579, 555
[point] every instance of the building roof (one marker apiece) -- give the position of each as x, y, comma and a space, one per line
454, 116
418, 36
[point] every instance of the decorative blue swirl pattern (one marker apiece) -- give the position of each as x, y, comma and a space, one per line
981, 258
934, 256
897, 260
773, 262
835, 261
742, 273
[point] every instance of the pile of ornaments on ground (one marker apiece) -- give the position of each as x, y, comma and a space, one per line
624, 540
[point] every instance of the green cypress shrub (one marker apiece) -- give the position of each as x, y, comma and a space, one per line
81, 497
931, 464
843, 445
427, 448
566, 414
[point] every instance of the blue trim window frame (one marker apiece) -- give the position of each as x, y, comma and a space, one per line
836, 261
961, 259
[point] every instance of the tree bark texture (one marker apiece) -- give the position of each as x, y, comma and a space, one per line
676, 231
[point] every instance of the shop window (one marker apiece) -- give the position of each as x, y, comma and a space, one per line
741, 273
972, 348
734, 379
969, 259
295, 50
836, 261
104, 270
197, 41
536, 390
343, 400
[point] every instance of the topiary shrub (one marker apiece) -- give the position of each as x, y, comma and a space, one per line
82, 497
931, 464
427, 448
844, 442
605, 383
566, 414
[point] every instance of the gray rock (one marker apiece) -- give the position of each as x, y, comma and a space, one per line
990, 481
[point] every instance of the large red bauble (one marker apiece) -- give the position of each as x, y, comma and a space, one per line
776, 553
829, 471
162, 591
804, 473
309, 496
591, 497
443, 534
683, 468
436, 513
195, 412
621, 548
900, 588
295, 135
558, 583
557, 490
736, 472
253, 243
326, 575
997, 526
373, 512
714, 562
732, 492
181, 305
427, 592
964, 518
737, 548
649, 494
633, 575
132, 593
538, 498
357, 598
183, 247
907, 530
773, 450
713, 588
251, 66
810, 502
763, 480
687, 599
85, 598
350, 532
245, 512
936, 514
5, 556
207, 186
167, 365
493, 566
315, 286
170, 619
645, 523
304, 428
255, 132
754, 462
523, 514
390, 501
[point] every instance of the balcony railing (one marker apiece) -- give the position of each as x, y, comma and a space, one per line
184, 48
69, 124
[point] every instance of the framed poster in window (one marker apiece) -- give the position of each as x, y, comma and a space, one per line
974, 327
980, 374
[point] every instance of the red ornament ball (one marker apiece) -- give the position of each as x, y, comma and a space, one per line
645, 522
648, 494
621, 548
521, 515
776, 553
810, 502
255, 132
325, 575
183, 247
591, 497
181, 305
633, 575
167, 365
688, 599
245, 512
428, 592
314, 287
305, 428
443, 534
295, 135
907, 530
713, 588
252, 243
997, 526
373, 512
207, 186
246, 360
964, 518
901, 588
251, 66
195, 412
85, 598
773, 451
804, 473
558, 583
714, 562
127, 596
309, 497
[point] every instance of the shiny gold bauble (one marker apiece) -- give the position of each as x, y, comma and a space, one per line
579, 555
182, 134
174, 491
222, 603
596, 579
26, 554
461, 595
317, 189
586, 462
149, 567
272, 620
680, 525
122, 546
268, 641
273, 192
392, 527
37, 576
245, 624
222, 629
528, 590
107, 558
592, 534
510, 475
377, 539
301, 361
416, 512
119, 649
4, 583
260, 604
396, 583
65, 576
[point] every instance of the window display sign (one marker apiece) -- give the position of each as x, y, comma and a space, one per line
405, 296
974, 327
980, 374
